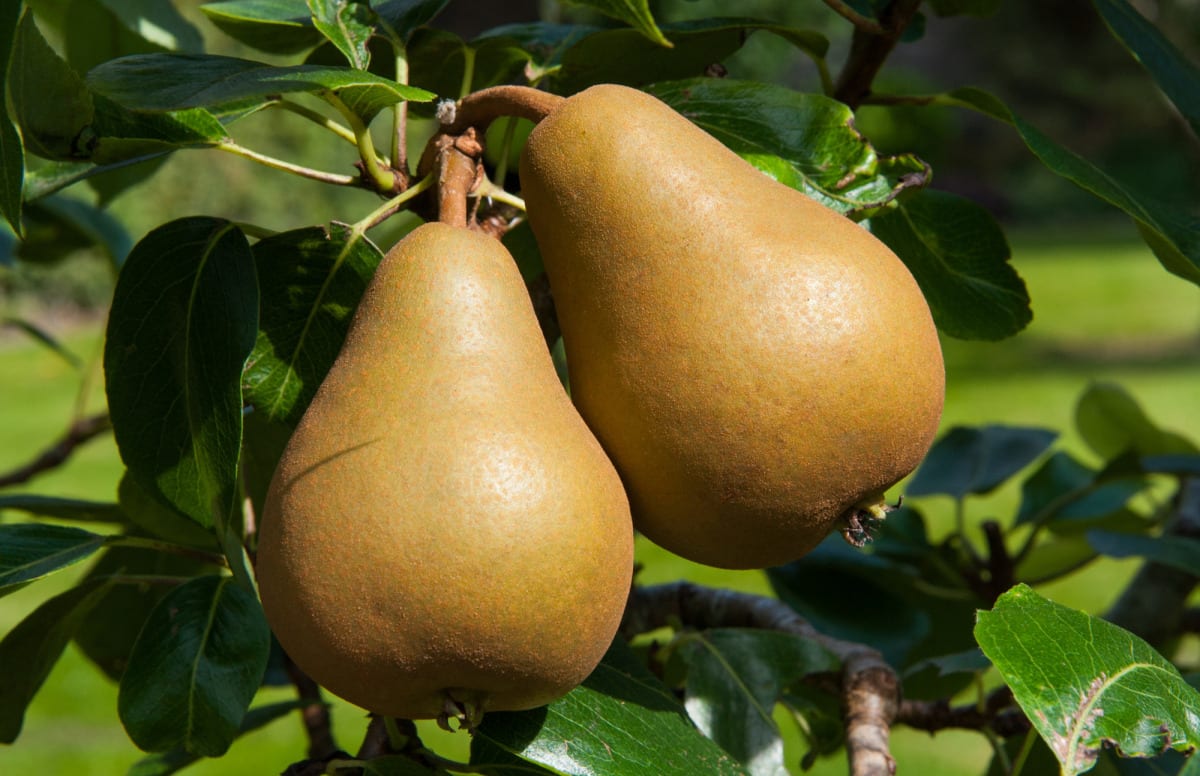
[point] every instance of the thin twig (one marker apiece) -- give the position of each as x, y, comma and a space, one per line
998, 714
80, 431
870, 688
864, 23
870, 48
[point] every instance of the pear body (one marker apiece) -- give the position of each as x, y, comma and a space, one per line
442, 524
756, 365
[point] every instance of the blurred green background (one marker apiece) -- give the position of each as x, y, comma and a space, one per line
1103, 308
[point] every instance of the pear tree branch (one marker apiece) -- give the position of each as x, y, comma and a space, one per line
869, 686
78, 433
870, 48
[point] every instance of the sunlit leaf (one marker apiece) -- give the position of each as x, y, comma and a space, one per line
635, 13
1085, 683
274, 26
310, 283
50, 102
195, 667
617, 721
172, 82
184, 318
1112, 422
348, 24
959, 257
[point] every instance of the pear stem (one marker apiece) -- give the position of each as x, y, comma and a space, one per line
480, 108
458, 174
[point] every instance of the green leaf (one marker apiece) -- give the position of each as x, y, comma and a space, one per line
617, 721
1064, 492
626, 57
172, 82
436, 61
805, 141
348, 25
195, 668
1175, 74
1054, 557
118, 134
635, 13
1178, 552
110, 628
96, 33
969, 661
310, 283
175, 760
1112, 422
975, 461
183, 321
12, 150
405, 16
157, 519
50, 102
870, 604
29, 651
544, 43
960, 258
158, 22
1084, 682
734, 679
1173, 235
30, 551
62, 509
56, 176
59, 225
273, 26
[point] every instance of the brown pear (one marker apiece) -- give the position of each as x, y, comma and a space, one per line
758, 366
443, 534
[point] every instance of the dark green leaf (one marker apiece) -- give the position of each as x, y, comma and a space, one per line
1175, 74
626, 57
348, 25
50, 102
183, 321
62, 509
734, 679
969, 661
436, 61
109, 630
1084, 682
158, 22
1112, 422
43, 337
544, 43
805, 141
195, 668
1182, 463
818, 716
263, 442
867, 602
30, 551
1173, 235
58, 225
1178, 552
166, 763
274, 26
157, 519
405, 16
977, 460
31, 649
960, 258
617, 721
172, 82
12, 151
119, 134
1064, 493
310, 283
96, 33
635, 13
56, 176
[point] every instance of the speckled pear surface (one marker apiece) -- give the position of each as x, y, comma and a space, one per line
442, 524
756, 365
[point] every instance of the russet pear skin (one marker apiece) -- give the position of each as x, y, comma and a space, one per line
443, 528
757, 366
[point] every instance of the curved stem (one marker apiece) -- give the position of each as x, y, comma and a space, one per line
278, 164
383, 180
864, 23
480, 108
317, 118
491, 190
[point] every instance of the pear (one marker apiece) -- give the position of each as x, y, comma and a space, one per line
443, 535
760, 368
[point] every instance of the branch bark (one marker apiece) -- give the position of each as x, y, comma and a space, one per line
80, 431
317, 722
870, 687
870, 48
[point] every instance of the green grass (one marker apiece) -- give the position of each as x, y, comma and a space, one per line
1104, 310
